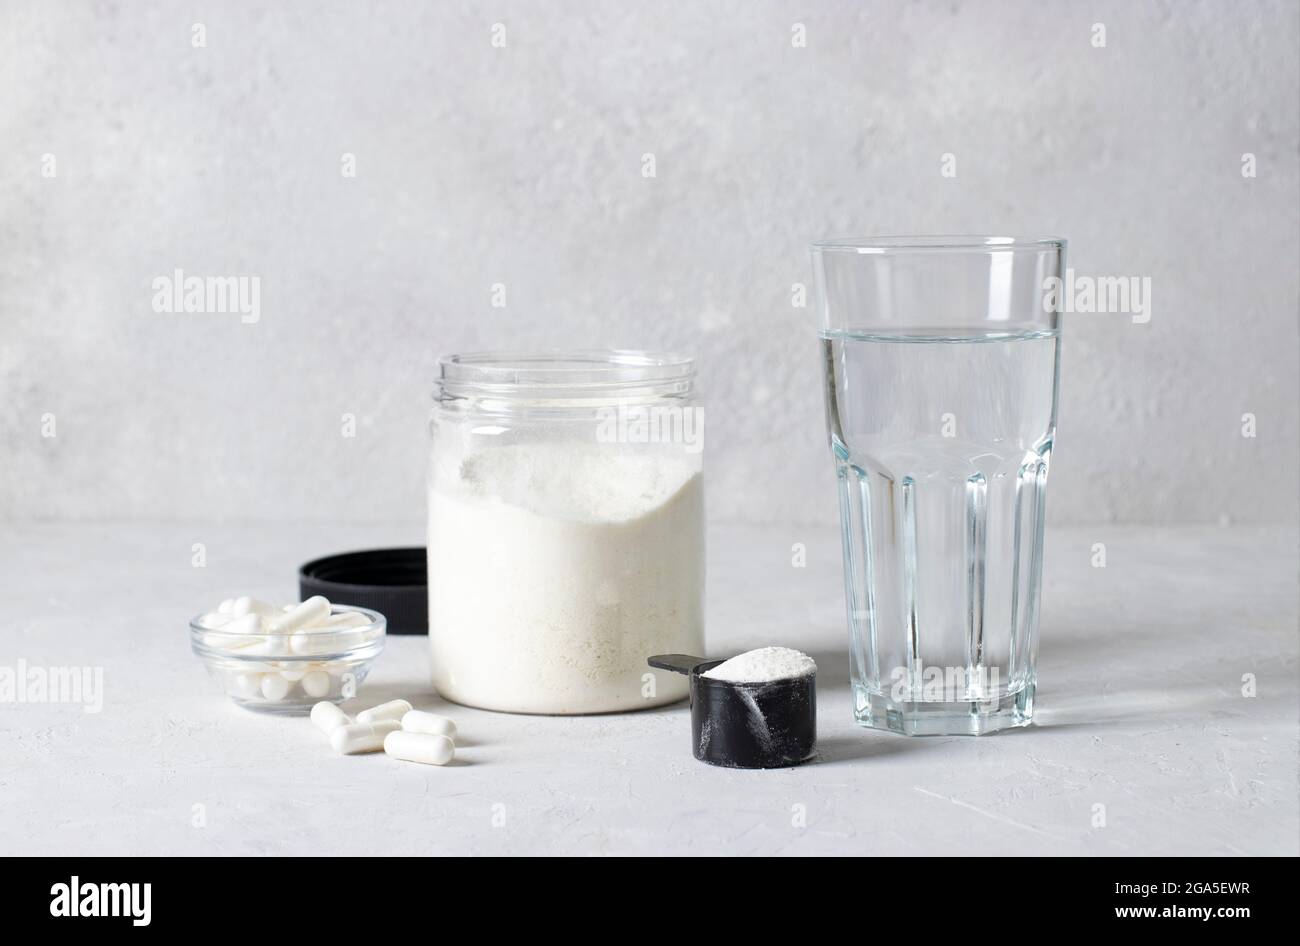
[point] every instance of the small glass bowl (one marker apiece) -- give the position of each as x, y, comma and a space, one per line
290, 673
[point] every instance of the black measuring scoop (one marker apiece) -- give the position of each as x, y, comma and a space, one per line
747, 725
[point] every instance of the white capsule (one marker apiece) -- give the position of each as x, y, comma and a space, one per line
420, 747
430, 723
362, 737
226, 642
275, 687
309, 643
393, 709
327, 717
345, 619
311, 611
225, 606
316, 683
244, 624
213, 620
270, 645
247, 605
248, 684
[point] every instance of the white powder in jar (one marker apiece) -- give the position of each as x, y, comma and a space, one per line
764, 665
556, 569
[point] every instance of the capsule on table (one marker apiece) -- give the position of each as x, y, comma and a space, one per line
419, 747
429, 723
393, 709
362, 737
327, 717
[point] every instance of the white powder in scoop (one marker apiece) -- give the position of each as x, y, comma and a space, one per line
764, 665
556, 569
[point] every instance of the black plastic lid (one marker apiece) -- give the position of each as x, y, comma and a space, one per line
393, 582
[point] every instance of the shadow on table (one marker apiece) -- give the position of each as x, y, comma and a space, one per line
870, 744
1093, 694
419, 696
1142, 673
1170, 704
431, 702
1074, 643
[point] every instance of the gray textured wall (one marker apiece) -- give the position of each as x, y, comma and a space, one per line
522, 165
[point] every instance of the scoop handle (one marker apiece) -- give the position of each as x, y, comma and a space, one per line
677, 663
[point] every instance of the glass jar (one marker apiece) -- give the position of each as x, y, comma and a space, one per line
566, 529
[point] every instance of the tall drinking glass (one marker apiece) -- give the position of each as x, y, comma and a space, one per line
941, 363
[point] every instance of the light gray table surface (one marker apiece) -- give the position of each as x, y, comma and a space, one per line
1144, 742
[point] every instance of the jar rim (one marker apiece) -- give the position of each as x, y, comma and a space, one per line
573, 372
985, 243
